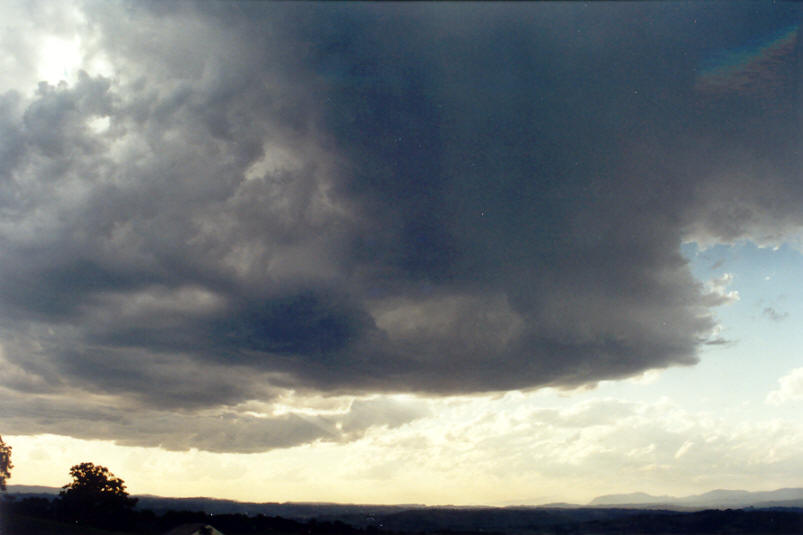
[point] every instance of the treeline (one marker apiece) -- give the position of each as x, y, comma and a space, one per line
53, 518
53, 513
728, 521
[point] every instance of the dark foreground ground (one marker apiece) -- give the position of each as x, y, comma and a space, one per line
38, 517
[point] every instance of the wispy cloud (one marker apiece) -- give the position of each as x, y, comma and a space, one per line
774, 315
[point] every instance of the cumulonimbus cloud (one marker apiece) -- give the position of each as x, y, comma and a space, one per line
349, 200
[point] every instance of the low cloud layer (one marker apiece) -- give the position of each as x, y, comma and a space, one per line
596, 446
239, 429
254, 199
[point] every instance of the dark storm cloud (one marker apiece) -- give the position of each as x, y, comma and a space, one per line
366, 199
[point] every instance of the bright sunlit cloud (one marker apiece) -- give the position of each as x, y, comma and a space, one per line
790, 388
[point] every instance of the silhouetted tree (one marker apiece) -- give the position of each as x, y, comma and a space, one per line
96, 496
5, 463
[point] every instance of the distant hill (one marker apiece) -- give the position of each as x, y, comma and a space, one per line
736, 513
367, 515
291, 510
631, 498
294, 511
32, 489
719, 498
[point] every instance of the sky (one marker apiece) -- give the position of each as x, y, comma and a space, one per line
455, 253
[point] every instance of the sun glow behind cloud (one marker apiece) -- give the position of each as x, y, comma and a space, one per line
48, 42
59, 59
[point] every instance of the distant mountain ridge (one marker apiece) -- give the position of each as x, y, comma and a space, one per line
788, 497
300, 511
365, 514
32, 489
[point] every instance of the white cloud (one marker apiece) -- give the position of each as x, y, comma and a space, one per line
718, 293
684, 449
790, 388
601, 444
